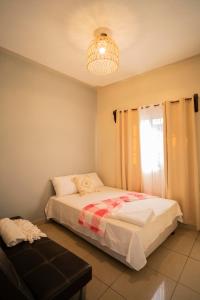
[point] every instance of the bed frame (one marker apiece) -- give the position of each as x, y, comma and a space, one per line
157, 242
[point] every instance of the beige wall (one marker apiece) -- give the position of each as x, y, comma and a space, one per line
47, 125
167, 83
47, 128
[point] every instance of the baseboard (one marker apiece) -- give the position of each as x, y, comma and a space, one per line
187, 226
39, 221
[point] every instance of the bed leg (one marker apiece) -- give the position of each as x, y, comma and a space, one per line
82, 294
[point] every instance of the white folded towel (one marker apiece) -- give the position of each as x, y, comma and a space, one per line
30, 231
138, 217
10, 232
16, 231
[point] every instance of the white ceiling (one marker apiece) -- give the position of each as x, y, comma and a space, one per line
56, 33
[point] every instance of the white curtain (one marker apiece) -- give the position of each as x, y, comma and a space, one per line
152, 150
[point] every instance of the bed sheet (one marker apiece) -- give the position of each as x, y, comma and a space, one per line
128, 240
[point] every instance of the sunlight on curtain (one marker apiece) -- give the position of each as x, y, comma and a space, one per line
152, 150
128, 151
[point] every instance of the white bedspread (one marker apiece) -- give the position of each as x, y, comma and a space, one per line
126, 239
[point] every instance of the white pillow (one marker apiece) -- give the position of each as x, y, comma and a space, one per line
85, 184
95, 178
64, 185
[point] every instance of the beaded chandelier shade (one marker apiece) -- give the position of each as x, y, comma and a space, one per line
103, 55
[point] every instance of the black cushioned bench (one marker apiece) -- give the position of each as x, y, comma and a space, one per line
45, 270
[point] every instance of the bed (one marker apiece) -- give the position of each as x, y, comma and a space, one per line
127, 242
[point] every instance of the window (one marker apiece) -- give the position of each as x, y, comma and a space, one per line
152, 150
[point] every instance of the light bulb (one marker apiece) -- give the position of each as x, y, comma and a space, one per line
102, 50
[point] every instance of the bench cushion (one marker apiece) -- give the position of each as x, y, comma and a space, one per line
49, 270
12, 287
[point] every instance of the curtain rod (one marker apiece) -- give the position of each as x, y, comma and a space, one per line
195, 98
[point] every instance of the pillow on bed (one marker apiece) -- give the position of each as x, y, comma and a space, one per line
64, 185
85, 184
97, 181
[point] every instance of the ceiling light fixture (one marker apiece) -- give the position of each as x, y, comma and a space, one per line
102, 55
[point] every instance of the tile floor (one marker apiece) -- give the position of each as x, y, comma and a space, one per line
172, 271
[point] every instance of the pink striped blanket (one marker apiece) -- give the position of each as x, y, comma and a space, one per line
92, 214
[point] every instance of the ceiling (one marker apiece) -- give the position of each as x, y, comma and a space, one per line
56, 33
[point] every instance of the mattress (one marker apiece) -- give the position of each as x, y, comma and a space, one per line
127, 240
